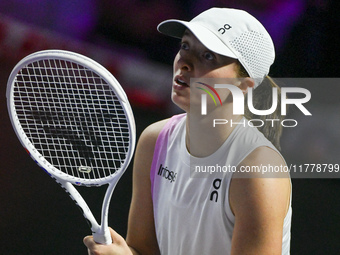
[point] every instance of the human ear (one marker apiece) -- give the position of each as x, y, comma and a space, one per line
246, 83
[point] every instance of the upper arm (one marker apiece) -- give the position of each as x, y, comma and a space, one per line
260, 205
141, 230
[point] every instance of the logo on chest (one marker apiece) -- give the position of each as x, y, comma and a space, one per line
216, 186
167, 174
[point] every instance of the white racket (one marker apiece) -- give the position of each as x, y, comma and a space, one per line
74, 119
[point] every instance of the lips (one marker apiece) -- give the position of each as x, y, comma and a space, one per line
180, 82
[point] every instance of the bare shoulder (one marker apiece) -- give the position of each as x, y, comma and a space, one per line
265, 180
267, 199
148, 138
264, 155
141, 234
146, 145
150, 134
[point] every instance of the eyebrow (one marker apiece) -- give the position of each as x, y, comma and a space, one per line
186, 32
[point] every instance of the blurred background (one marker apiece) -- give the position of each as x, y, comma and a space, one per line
37, 217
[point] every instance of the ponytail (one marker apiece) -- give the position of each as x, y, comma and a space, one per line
262, 100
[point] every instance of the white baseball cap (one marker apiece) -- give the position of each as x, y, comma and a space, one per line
232, 33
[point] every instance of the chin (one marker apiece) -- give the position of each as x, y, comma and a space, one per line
181, 102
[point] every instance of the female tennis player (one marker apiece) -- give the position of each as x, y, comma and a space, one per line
172, 212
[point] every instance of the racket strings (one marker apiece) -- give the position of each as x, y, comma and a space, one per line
72, 117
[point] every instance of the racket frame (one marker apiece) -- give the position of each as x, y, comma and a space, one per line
101, 232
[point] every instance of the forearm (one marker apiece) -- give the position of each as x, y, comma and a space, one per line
134, 252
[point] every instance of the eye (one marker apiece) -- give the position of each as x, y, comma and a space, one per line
184, 46
208, 55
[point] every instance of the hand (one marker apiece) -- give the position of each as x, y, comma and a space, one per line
118, 246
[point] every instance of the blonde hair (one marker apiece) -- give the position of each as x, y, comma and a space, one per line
262, 100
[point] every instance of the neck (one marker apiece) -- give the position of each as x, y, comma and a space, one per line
206, 134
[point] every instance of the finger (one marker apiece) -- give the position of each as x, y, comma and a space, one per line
88, 241
116, 238
90, 244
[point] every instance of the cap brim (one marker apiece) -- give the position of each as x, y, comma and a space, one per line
176, 28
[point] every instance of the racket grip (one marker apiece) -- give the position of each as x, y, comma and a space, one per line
103, 238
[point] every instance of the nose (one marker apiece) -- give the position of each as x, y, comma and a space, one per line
184, 61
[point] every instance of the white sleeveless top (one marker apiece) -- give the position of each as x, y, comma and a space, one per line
193, 215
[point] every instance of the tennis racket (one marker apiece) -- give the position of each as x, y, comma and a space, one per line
75, 121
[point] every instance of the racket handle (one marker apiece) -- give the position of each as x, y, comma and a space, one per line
103, 238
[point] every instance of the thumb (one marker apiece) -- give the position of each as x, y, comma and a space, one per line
88, 241
116, 238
